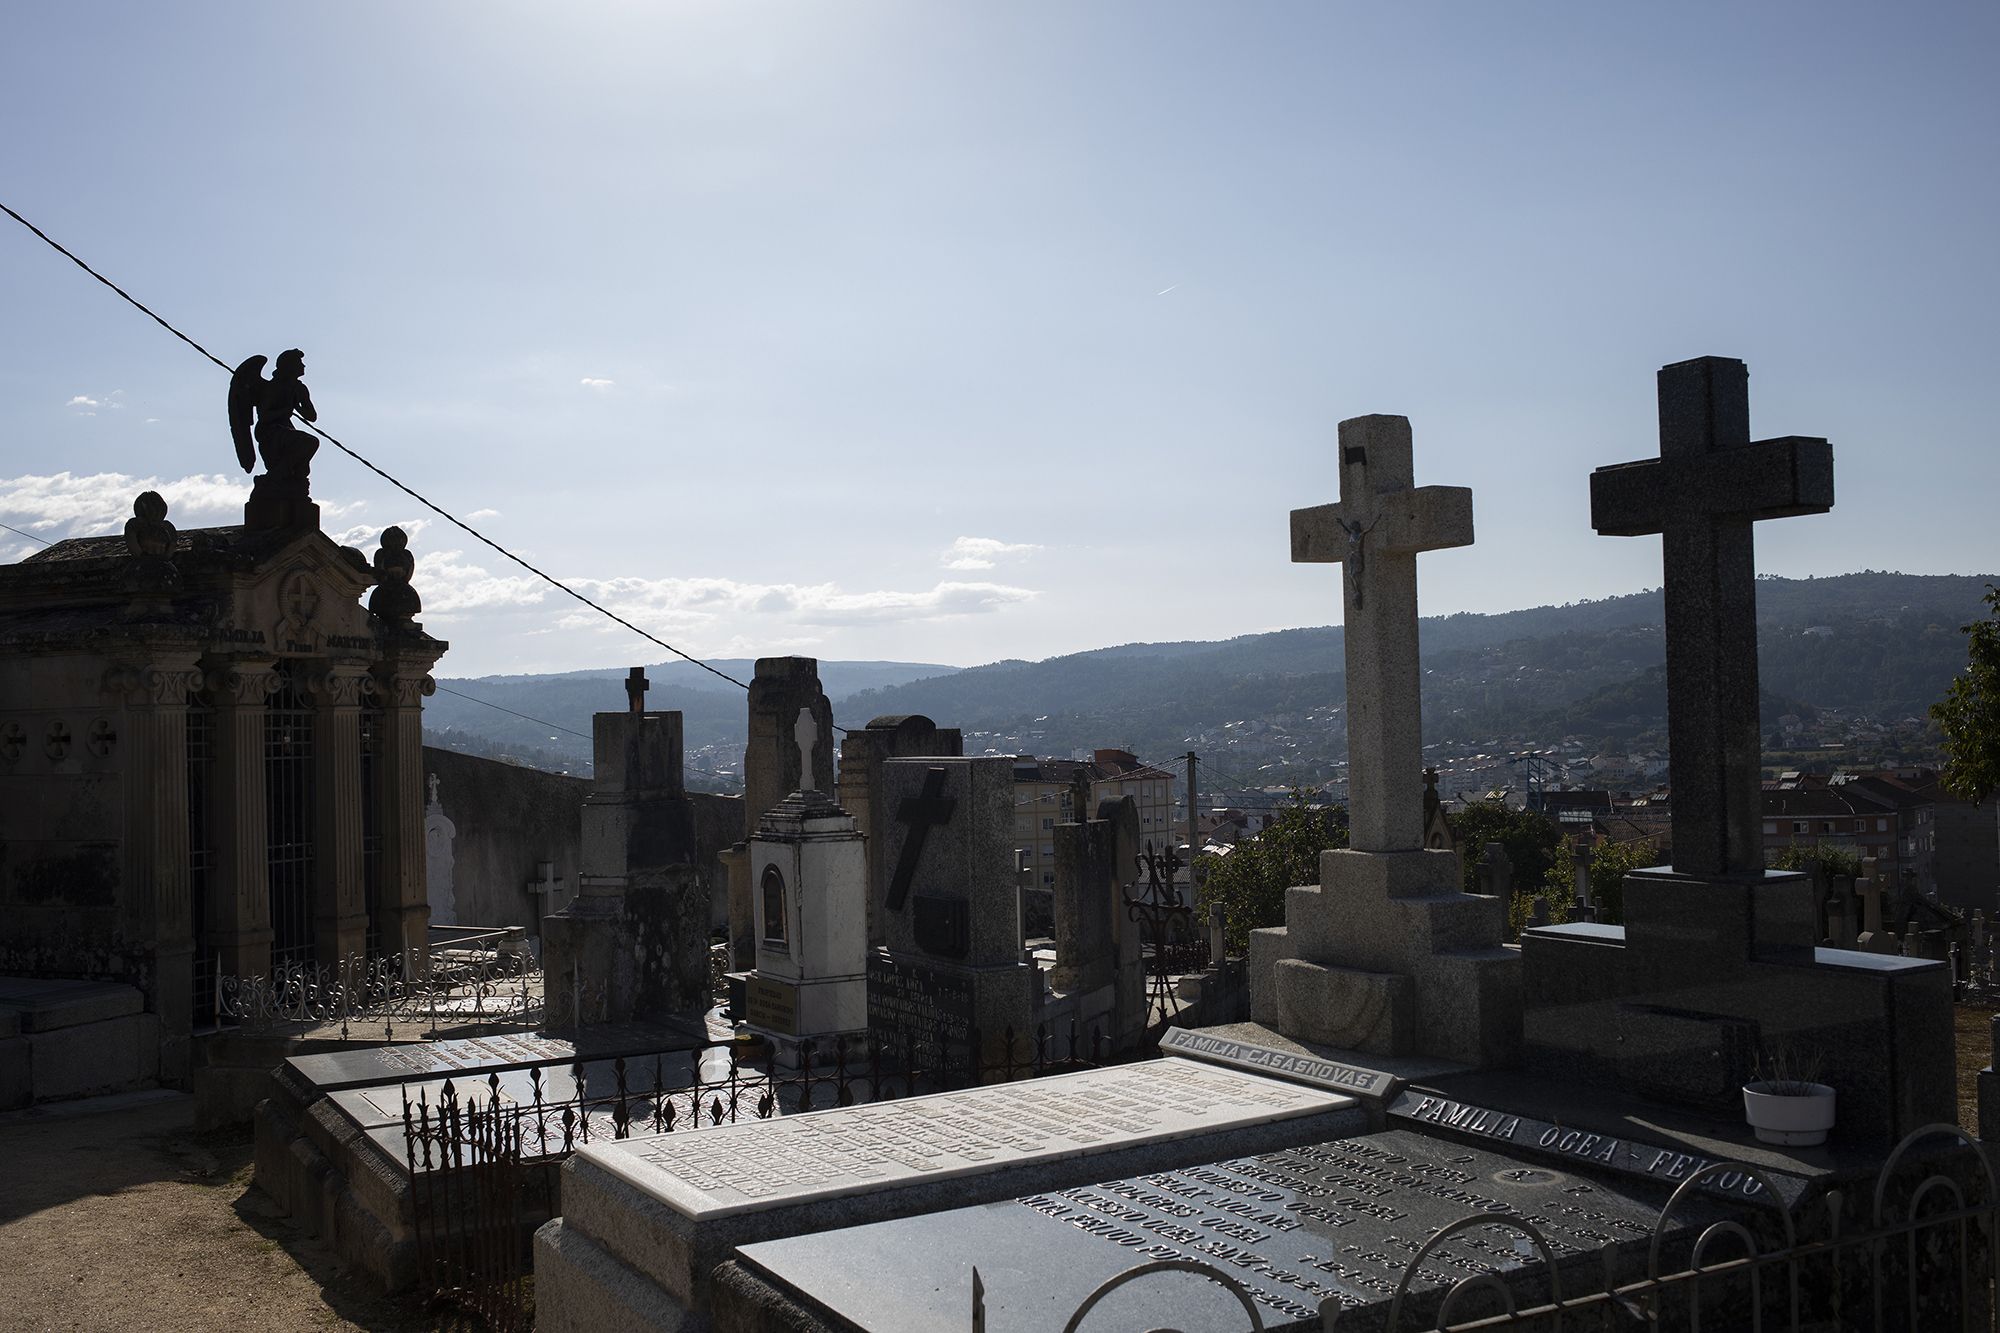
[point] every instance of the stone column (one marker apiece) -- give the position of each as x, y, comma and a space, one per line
339, 910
774, 767
155, 904
403, 912
1086, 901
239, 900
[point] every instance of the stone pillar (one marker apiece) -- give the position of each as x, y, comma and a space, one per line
773, 767
239, 901
403, 912
155, 904
339, 908
1086, 904
863, 751
742, 914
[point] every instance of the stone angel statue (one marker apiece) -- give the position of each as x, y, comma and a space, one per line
287, 450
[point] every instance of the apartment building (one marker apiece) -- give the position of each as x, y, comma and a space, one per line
1042, 800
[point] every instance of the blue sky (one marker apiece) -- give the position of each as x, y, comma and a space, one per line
951, 333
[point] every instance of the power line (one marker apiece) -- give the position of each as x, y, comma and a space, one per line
16, 531
557, 726
435, 508
540, 722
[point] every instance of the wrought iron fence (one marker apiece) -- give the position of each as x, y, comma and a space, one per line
1172, 941
474, 1231
362, 995
471, 1211
1915, 1252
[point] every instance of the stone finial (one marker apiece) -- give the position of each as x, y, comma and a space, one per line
394, 600
805, 732
150, 539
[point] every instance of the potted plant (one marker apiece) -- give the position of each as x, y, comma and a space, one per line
1788, 1105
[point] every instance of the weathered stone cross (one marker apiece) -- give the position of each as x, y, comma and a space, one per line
636, 686
921, 812
806, 732
1382, 521
1709, 484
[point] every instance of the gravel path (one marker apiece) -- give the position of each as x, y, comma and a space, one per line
123, 1219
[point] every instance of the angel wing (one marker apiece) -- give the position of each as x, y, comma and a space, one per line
246, 389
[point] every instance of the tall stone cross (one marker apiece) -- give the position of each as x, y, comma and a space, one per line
1382, 521
1709, 484
636, 686
921, 812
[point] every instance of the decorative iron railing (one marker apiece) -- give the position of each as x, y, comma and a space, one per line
473, 1230
1917, 1252
361, 995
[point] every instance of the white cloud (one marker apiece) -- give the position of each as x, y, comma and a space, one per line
482, 513
983, 552
597, 384
695, 605
64, 504
79, 506
83, 400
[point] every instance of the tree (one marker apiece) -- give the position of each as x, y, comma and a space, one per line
1250, 882
1838, 860
1610, 862
1530, 838
1969, 713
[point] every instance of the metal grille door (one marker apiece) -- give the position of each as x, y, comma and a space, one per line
288, 797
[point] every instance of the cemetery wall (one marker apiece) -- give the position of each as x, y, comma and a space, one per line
507, 817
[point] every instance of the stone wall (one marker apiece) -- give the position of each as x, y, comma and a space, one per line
507, 817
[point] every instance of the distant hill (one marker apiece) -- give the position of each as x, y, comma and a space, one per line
1882, 644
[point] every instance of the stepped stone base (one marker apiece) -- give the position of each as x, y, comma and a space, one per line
1387, 957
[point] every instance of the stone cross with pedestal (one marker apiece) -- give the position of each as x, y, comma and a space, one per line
1386, 955
1715, 978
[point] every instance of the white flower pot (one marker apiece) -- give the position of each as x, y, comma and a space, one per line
1796, 1121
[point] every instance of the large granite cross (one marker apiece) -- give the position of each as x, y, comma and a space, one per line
636, 685
1709, 484
921, 812
1382, 521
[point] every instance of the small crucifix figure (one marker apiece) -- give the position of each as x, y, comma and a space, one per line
1382, 521
1709, 484
806, 732
636, 686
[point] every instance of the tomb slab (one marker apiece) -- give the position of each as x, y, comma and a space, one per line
669, 1208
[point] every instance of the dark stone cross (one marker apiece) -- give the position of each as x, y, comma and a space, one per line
922, 812
636, 686
1709, 484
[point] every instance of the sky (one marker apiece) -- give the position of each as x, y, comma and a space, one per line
953, 333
